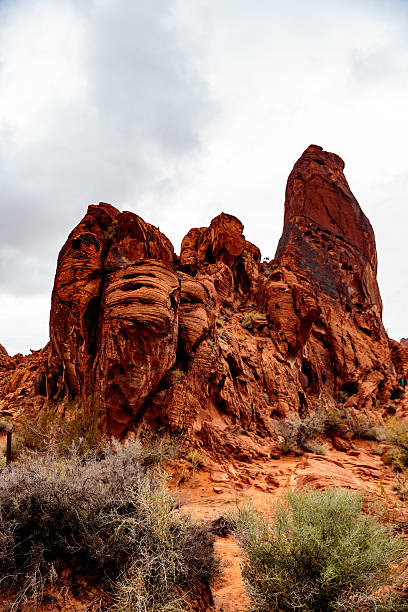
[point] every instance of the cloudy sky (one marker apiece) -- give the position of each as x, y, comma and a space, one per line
178, 110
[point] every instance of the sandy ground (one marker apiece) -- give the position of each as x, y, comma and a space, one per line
211, 492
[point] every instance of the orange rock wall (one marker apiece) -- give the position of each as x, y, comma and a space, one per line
214, 343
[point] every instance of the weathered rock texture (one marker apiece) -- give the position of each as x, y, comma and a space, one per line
4, 358
213, 343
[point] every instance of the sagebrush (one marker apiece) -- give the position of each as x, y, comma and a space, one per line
320, 553
109, 518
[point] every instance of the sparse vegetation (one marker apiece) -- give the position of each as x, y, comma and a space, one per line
268, 266
5, 425
111, 231
174, 376
60, 427
249, 318
320, 553
316, 447
221, 335
401, 486
227, 314
211, 344
301, 434
364, 427
396, 434
196, 458
220, 320
159, 449
110, 519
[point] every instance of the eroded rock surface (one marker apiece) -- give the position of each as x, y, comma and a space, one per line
4, 358
216, 344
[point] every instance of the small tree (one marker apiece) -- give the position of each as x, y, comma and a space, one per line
320, 553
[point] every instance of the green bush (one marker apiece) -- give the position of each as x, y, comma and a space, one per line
320, 553
396, 434
110, 519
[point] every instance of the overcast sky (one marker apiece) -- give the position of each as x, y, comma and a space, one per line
180, 110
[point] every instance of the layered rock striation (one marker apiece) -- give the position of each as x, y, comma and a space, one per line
214, 343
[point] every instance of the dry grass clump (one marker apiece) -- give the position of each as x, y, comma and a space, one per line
396, 434
173, 376
60, 427
110, 519
250, 318
196, 458
5, 426
159, 449
320, 553
316, 447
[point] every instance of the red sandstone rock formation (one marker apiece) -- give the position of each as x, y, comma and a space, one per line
113, 322
323, 299
215, 344
4, 358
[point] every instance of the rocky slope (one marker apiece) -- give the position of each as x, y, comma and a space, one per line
215, 344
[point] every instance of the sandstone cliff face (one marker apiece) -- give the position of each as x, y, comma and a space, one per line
4, 358
215, 344
113, 322
323, 299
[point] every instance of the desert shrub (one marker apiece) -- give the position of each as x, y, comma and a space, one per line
362, 426
60, 427
339, 421
196, 458
212, 344
111, 231
221, 336
316, 447
249, 318
401, 486
336, 421
396, 434
341, 396
299, 434
157, 450
319, 553
289, 430
220, 320
109, 519
5, 425
365, 427
228, 314
173, 376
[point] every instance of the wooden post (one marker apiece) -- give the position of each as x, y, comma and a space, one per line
8, 455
